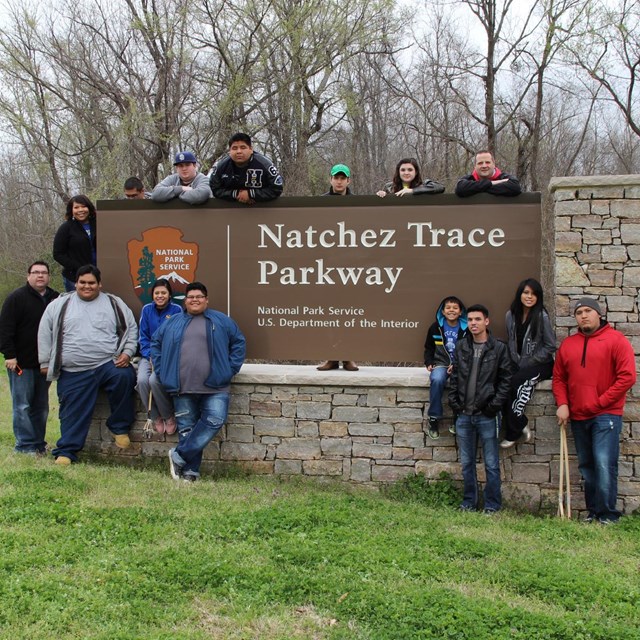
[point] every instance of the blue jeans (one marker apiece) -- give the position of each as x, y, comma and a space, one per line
437, 381
468, 430
598, 448
78, 392
69, 285
30, 397
199, 418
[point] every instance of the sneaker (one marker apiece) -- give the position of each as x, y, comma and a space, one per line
452, 426
189, 479
433, 431
526, 432
505, 444
158, 425
174, 469
63, 460
489, 511
122, 440
466, 507
591, 517
170, 425
607, 521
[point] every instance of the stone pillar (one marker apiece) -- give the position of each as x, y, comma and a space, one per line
597, 237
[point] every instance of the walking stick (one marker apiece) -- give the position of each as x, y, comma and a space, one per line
566, 473
147, 430
561, 481
564, 494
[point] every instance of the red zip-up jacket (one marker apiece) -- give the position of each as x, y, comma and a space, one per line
593, 373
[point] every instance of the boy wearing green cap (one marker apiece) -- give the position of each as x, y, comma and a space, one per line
340, 180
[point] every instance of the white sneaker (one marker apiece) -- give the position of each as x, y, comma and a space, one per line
505, 444
526, 432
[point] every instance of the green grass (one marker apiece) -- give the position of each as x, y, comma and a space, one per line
113, 553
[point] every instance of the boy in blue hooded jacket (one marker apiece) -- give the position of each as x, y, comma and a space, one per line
439, 355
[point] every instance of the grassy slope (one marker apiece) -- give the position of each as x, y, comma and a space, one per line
103, 552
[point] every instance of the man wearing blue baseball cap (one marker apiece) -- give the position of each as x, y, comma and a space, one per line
186, 183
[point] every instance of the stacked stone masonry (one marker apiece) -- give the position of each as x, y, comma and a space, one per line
369, 427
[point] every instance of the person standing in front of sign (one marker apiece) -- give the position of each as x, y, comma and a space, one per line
439, 355
340, 180
479, 386
152, 316
407, 181
187, 183
243, 175
594, 369
532, 344
74, 244
195, 354
19, 320
487, 178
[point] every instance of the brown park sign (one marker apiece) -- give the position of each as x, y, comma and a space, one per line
350, 278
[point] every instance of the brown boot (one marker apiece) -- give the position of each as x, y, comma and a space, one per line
328, 365
350, 365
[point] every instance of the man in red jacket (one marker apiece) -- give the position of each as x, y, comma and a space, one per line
594, 369
487, 178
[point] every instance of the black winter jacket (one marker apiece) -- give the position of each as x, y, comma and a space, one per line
428, 186
72, 247
331, 192
260, 177
19, 321
469, 186
435, 352
494, 377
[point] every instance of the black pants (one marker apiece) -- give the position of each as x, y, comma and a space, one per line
523, 384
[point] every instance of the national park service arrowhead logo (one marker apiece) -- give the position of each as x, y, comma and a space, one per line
162, 254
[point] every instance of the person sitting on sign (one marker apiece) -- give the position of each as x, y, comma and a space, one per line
134, 189
245, 176
186, 183
407, 181
487, 178
340, 180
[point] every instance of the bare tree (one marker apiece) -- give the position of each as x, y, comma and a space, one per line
607, 48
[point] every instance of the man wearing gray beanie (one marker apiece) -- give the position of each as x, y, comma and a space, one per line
594, 369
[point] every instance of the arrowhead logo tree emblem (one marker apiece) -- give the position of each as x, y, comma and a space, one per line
162, 254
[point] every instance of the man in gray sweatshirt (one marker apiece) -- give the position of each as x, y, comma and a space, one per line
186, 183
86, 340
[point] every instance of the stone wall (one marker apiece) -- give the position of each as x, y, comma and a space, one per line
366, 427
597, 248
369, 426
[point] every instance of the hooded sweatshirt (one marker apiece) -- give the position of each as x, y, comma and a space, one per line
435, 351
593, 373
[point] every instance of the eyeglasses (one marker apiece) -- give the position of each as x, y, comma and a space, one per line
38, 273
195, 297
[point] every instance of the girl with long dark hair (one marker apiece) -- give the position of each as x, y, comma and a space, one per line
407, 181
532, 344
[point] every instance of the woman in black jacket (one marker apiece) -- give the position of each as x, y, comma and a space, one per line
532, 343
74, 244
407, 181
